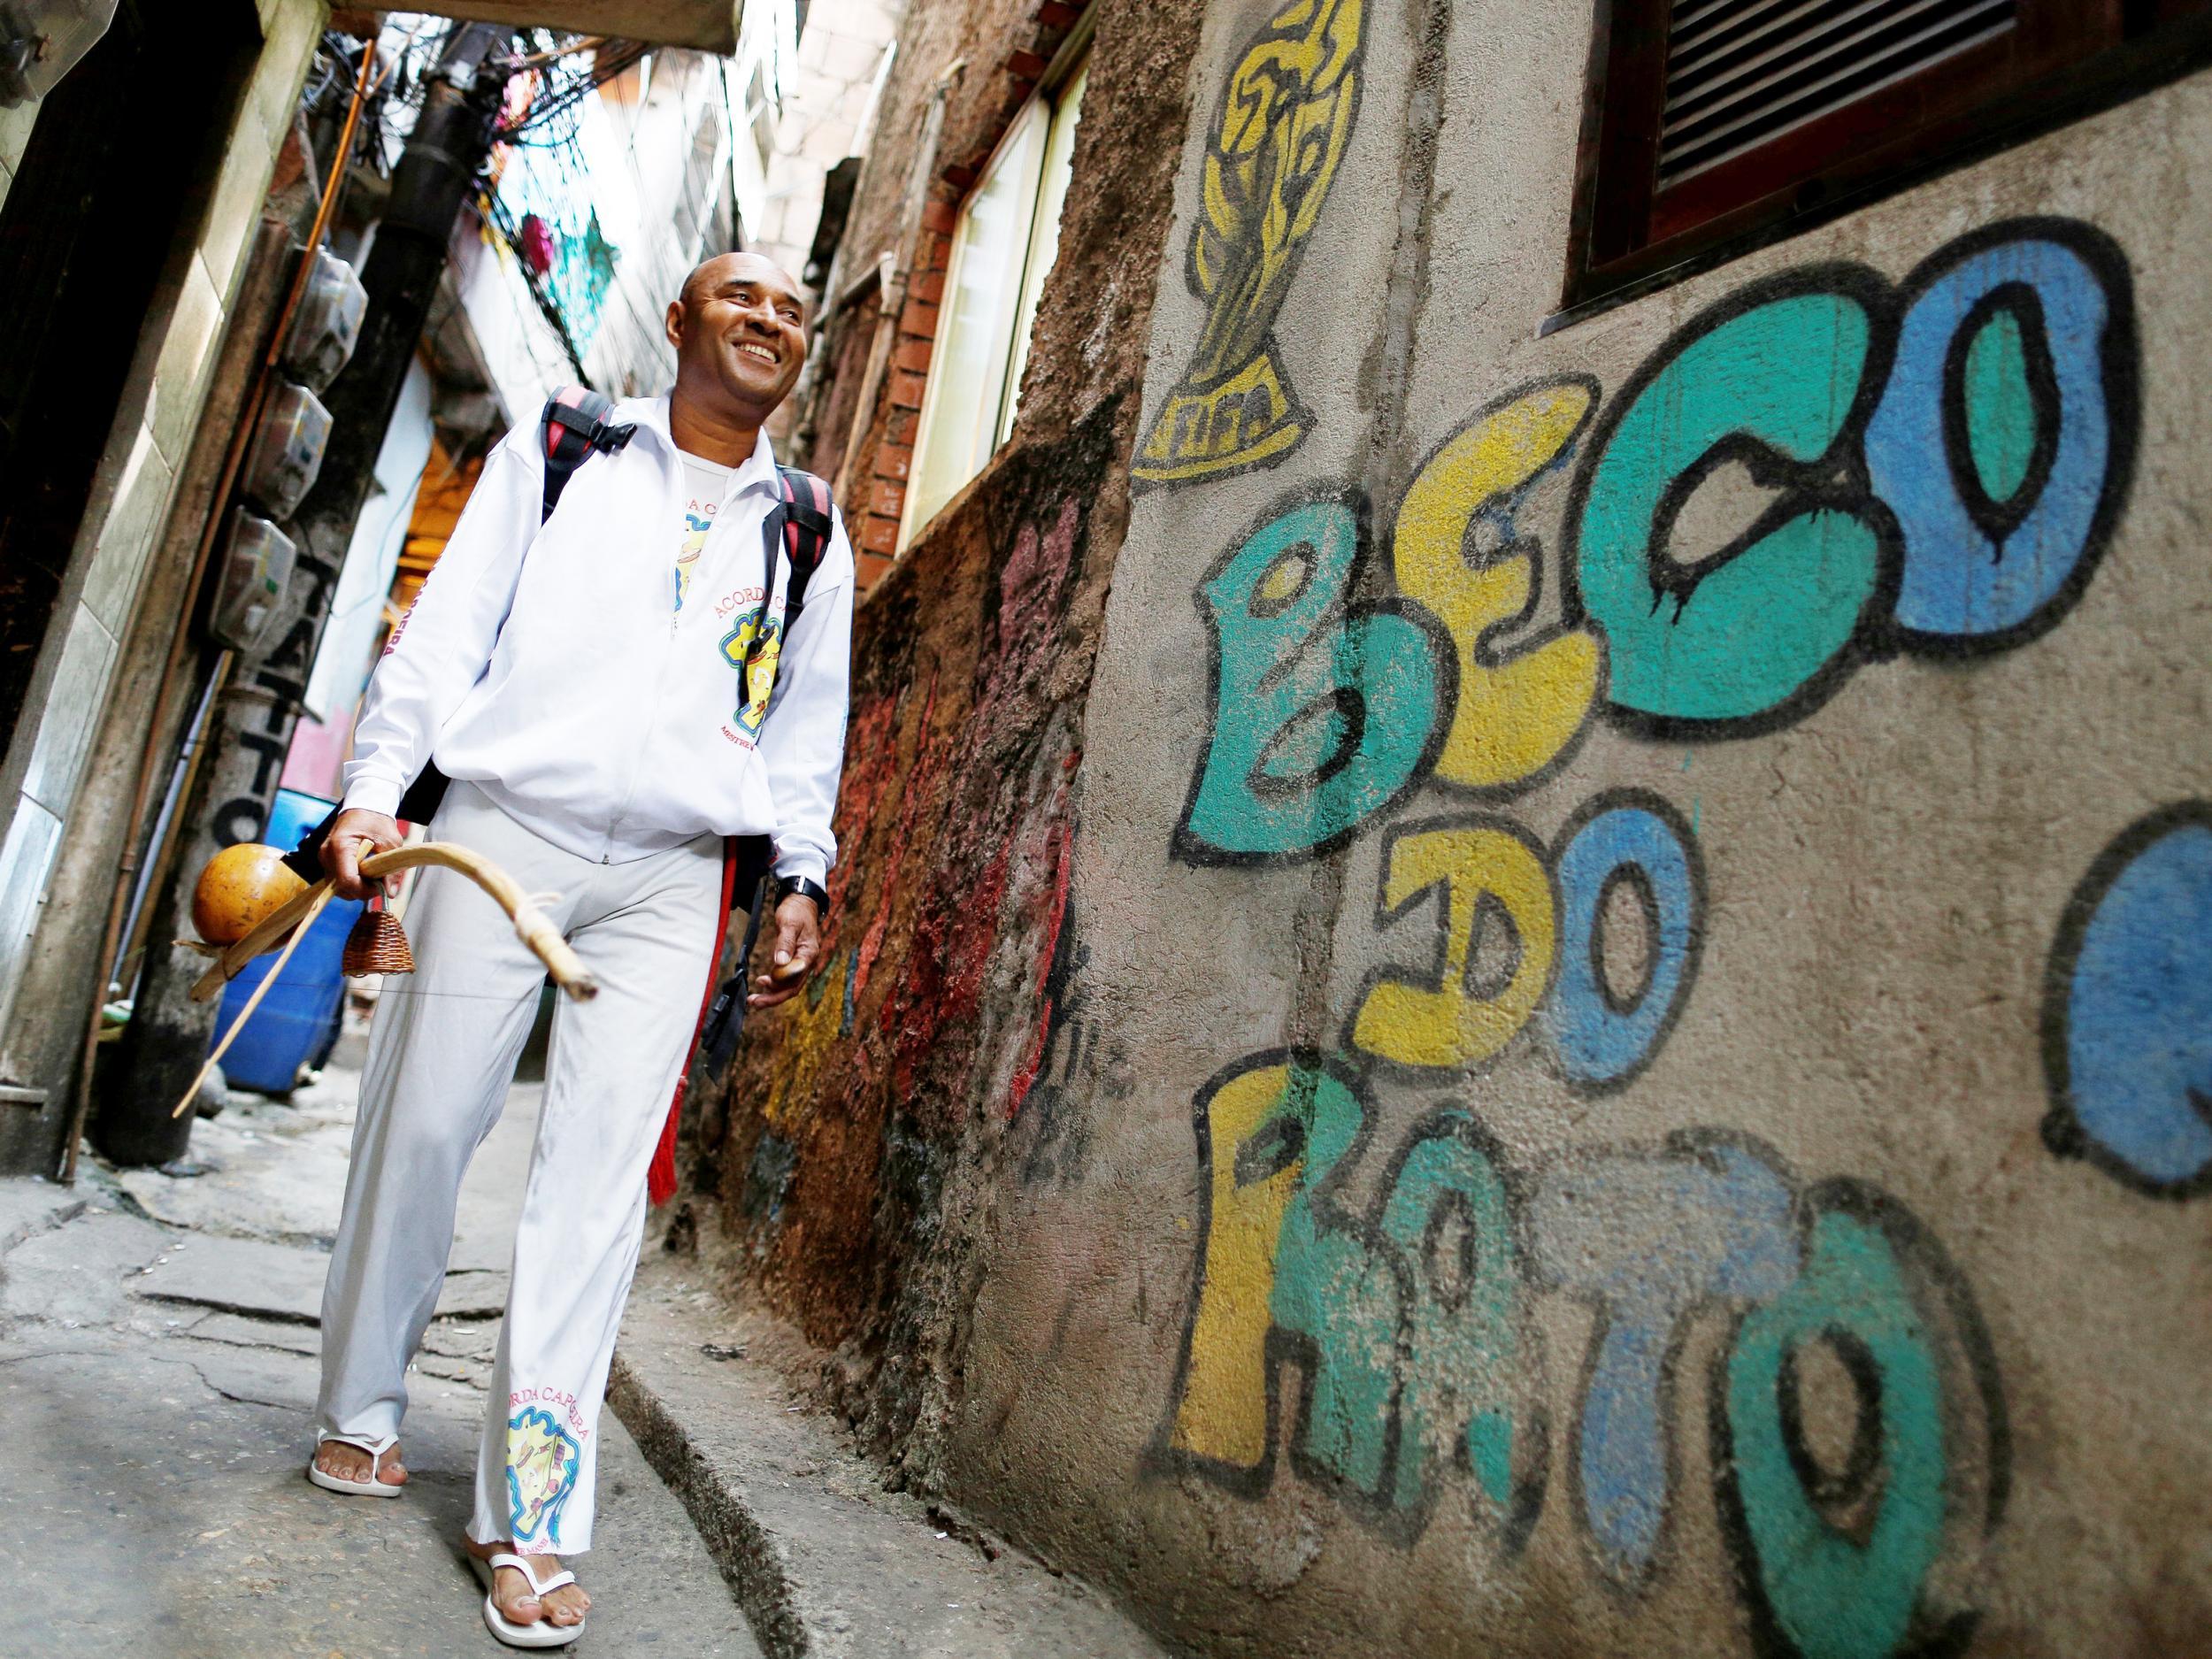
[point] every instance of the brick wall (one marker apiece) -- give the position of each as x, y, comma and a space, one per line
1005, 49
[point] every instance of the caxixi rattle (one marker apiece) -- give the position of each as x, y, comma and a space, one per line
249, 901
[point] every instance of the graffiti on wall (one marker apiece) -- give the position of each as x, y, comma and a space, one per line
1555, 973
1822, 472
1940, 467
2127, 1009
1860, 1446
1278, 137
850, 1112
1073, 1056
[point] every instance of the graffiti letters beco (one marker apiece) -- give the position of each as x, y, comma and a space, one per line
1943, 459
1286, 119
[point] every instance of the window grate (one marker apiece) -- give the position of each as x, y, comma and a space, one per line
1740, 73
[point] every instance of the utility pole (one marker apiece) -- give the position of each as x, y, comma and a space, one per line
251, 727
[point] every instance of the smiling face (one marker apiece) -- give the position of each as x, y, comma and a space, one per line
739, 332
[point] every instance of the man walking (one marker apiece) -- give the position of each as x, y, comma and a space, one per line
613, 695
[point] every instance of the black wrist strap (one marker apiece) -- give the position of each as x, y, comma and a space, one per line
786, 886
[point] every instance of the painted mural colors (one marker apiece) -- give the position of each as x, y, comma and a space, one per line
1939, 464
1409, 1323
1285, 119
1944, 462
2127, 1009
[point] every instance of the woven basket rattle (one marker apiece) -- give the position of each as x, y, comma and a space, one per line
377, 944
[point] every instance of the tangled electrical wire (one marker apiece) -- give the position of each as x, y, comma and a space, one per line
550, 73
567, 73
564, 69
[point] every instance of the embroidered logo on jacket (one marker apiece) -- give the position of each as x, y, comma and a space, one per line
753, 648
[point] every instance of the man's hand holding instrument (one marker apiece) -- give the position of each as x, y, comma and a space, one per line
248, 900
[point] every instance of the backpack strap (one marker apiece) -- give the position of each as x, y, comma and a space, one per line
807, 524
798, 527
575, 426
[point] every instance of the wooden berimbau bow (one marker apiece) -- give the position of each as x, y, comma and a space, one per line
297, 914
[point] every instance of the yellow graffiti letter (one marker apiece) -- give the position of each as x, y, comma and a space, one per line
1222, 1415
1516, 713
1453, 1022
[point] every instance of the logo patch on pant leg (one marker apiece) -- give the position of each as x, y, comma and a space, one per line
542, 1461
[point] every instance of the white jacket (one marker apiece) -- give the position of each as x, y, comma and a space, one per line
549, 667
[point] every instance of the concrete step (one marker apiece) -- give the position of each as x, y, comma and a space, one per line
826, 1562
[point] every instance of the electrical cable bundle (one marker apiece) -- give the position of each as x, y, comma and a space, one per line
567, 77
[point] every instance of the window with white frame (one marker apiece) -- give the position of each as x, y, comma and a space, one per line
1002, 249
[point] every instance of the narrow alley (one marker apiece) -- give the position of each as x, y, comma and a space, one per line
1356, 827
158, 1367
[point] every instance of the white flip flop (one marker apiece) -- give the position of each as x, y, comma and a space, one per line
374, 1486
544, 1633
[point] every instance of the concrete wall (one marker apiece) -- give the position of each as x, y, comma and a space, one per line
828, 97
131, 493
1612, 1065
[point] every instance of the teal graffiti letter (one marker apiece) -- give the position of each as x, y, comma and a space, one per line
1838, 1556
1342, 1291
1321, 715
1701, 637
1449, 1216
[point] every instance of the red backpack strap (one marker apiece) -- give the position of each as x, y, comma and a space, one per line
575, 425
807, 527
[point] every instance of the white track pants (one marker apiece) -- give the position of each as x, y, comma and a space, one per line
441, 1056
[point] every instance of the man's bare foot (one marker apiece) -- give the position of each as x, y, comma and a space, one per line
341, 1461
517, 1603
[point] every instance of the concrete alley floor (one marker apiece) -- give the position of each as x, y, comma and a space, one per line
157, 1344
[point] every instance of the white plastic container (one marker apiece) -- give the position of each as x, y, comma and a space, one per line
40, 40
329, 323
256, 568
288, 450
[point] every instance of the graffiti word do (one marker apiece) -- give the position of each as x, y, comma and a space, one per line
1551, 911
1939, 464
1859, 1441
2127, 1009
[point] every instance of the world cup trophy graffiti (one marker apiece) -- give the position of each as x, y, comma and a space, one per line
1286, 119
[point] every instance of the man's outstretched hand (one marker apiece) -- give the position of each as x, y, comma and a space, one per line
353, 837
798, 942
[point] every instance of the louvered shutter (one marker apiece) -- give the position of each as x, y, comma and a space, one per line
1713, 121
1740, 73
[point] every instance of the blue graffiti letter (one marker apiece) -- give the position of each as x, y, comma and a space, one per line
2127, 1020
1650, 1239
2003, 441
1602, 1036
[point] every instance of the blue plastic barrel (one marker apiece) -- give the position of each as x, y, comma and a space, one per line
294, 1022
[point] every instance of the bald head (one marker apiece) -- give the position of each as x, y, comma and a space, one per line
724, 268
739, 327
